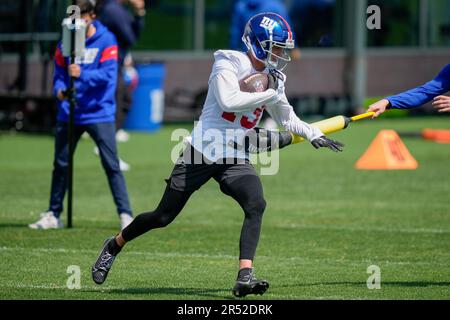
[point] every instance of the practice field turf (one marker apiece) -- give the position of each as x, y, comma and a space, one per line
324, 225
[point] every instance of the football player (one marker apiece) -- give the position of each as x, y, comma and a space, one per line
268, 38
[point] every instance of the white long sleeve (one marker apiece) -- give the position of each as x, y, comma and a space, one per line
283, 113
225, 86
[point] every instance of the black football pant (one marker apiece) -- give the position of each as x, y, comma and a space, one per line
246, 189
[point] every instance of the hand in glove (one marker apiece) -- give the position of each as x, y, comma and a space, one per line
273, 82
324, 142
275, 79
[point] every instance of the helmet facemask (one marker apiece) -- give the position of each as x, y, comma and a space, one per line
278, 54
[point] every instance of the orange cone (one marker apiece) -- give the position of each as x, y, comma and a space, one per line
439, 136
387, 152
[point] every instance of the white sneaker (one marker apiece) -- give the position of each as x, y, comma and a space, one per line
122, 136
47, 221
124, 166
125, 220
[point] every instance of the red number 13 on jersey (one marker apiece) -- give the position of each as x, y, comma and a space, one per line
245, 122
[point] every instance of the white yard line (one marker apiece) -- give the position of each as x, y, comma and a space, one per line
139, 253
297, 259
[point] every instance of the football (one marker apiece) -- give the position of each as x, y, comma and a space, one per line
257, 82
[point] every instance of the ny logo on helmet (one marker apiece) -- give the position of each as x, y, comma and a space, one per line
268, 23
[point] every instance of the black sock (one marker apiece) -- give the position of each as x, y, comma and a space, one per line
113, 247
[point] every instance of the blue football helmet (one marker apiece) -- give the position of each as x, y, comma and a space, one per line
270, 38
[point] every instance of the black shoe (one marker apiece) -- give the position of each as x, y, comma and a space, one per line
105, 260
247, 284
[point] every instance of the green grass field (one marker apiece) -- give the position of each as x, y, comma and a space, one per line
325, 223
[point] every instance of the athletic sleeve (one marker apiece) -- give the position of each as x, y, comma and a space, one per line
107, 70
225, 87
283, 113
60, 77
418, 96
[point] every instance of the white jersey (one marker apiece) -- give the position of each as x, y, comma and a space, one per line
229, 113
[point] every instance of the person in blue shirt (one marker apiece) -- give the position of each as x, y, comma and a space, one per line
314, 21
432, 90
95, 82
126, 25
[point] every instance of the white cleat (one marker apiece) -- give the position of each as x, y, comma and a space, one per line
47, 221
122, 136
125, 220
